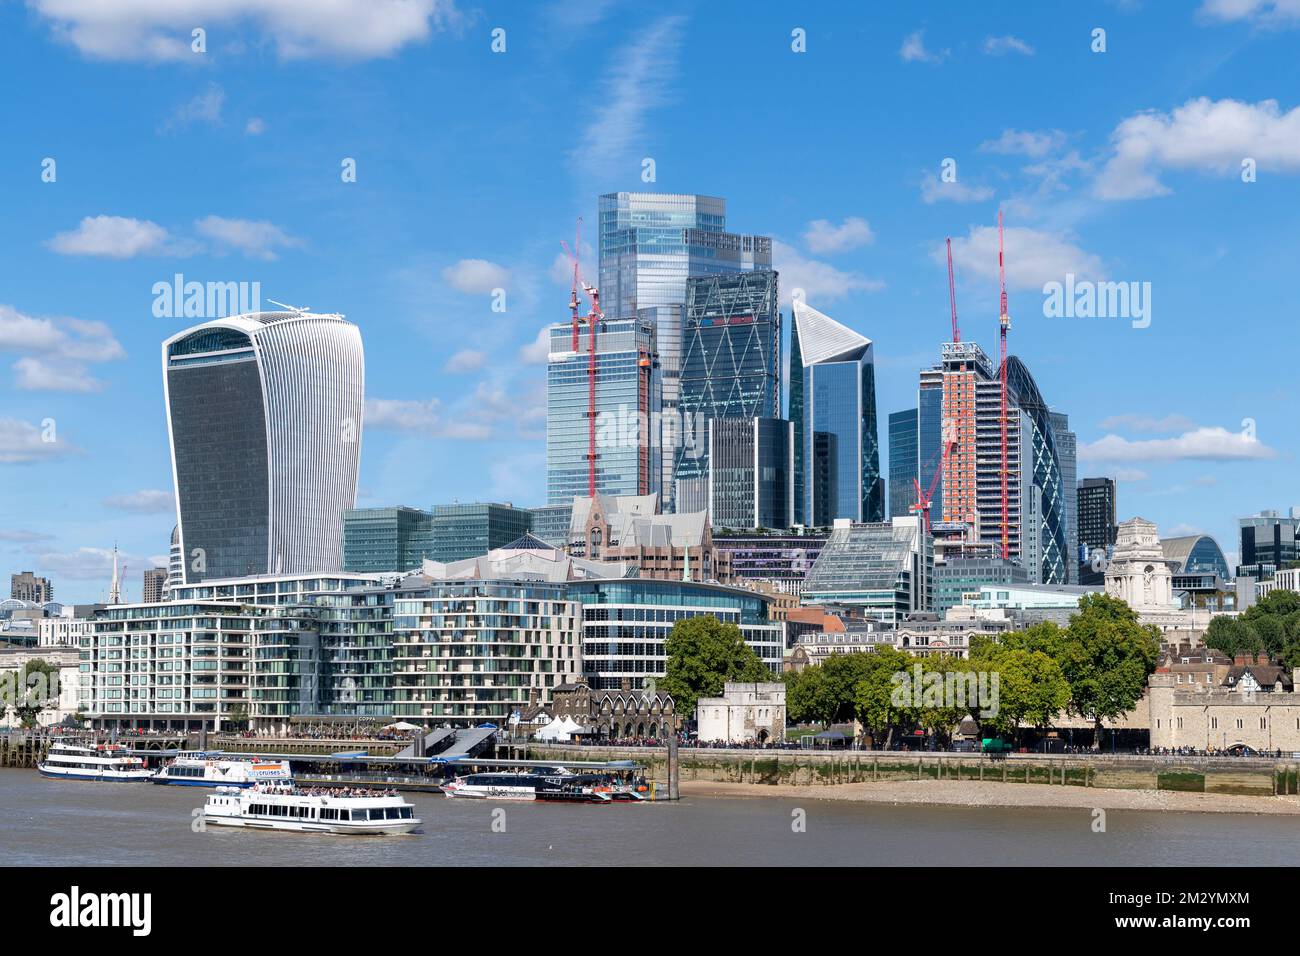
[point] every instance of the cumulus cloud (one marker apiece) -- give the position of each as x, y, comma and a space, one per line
935, 190
996, 46
149, 501
1129, 474
819, 280
257, 239
53, 352
22, 442
112, 237
1032, 143
150, 30
1204, 135
913, 50
476, 276
1033, 257
255, 126
1265, 13
203, 108
537, 351
466, 360
427, 418
823, 236
1200, 444
1148, 423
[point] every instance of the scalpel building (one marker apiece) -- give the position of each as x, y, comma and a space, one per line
264, 414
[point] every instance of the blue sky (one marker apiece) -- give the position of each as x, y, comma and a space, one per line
1122, 165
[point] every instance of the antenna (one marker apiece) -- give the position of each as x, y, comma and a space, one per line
290, 308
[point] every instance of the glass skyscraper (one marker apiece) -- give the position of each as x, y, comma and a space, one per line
732, 362
399, 539
749, 473
264, 414
902, 462
1067, 451
650, 243
834, 408
627, 404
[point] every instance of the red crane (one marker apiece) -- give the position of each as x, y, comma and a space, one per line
1004, 323
924, 497
952, 296
592, 318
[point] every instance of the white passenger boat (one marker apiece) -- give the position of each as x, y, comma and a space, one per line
310, 810
106, 763
198, 769
554, 784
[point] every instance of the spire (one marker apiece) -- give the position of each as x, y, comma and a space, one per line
115, 589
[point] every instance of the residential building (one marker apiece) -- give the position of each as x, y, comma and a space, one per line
833, 406
881, 569
264, 414
1098, 528
154, 589
26, 586
628, 397
731, 363
650, 244
750, 465
903, 465
745, 713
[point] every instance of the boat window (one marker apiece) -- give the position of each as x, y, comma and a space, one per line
393, 814
406, 813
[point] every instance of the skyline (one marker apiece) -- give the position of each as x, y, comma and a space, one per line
263, 121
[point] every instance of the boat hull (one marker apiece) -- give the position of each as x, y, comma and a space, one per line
131, 776
395, 828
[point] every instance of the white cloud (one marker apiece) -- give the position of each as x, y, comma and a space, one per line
22, 442
996, 46
148, 501
53, 351
466, 360
205, 108
638, 82
255, 126
1032, 143
1148, 423
476, 276
257, 239
934, 190
913, 50
1129, 474
160, 30
537, 351
1033, 257
822, 236
427, 418
112, 237
1265, 13
1200, 444
1211, 136
1181, 530
23, 537
819, 280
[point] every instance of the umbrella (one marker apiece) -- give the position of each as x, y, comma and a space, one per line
401, 725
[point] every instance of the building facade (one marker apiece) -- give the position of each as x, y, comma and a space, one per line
881, 569
264, 413
903, 464
750, 465
385, 539
1067, 452
745, 713
956, 577
26, 586
631, 530
1269, 542
783, 558
1098, 528
833, 407
155, 585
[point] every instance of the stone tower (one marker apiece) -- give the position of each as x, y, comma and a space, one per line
1137, 573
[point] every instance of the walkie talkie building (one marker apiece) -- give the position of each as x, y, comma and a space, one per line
264, 412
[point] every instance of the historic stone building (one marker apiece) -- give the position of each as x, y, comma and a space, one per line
1206, 705
617, 714
629, 528
1139, 574
746, 712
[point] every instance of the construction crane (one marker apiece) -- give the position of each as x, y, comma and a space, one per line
952, 295
1004, 323
925, 497
592, 318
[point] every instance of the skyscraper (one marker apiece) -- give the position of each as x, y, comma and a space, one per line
749, 473
903, 472
833, 407
1098, 526
650, 243
264, 413
732, 363
1067, 446
628, 402
1270, 542
27, 586
155, 585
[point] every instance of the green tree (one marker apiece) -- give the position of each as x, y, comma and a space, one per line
1232, 636
703, 654
29, 690
1031, 690
876, 702
1106, 656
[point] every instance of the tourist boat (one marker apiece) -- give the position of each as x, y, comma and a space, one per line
311, 810
555, 785
197, 769
107, 763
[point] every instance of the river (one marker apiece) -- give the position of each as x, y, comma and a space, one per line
71, 823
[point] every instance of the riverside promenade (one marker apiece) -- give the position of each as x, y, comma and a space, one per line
1239, 776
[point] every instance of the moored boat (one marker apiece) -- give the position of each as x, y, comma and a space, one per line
104, 763
310, 810
555, 785
198, 769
